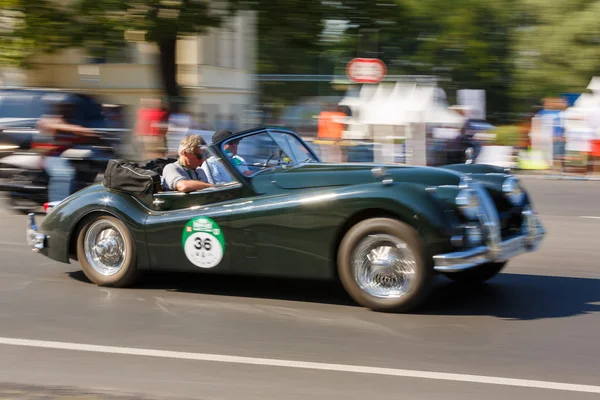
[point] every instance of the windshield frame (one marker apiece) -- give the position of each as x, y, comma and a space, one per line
269, 132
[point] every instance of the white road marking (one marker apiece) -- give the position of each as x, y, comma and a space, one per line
269, 362
589, 217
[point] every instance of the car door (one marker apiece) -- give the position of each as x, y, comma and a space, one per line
195, 231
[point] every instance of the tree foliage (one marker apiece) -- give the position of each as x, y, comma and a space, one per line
28, 28
516, 50
467, 42
100, 26
289, 43
558, 49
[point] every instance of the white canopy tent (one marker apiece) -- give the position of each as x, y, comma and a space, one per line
582, 120
398, 104
581, 123
387, 112
588, 105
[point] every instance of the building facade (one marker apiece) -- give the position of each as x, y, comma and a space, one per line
216, 72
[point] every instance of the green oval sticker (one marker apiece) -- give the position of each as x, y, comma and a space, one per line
203, 242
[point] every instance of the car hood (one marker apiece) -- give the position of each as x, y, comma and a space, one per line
325, 174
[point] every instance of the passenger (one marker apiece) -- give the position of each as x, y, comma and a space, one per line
215, 170
184, 175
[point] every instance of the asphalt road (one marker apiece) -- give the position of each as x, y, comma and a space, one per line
532, 332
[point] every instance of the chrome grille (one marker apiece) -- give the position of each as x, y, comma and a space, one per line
488, 218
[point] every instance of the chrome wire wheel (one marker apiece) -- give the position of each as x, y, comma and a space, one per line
105, 248
384, 266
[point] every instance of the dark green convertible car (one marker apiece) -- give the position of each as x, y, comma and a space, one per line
383, 230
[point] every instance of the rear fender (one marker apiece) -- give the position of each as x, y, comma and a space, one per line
62, 224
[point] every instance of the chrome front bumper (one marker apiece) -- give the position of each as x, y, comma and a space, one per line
532, 234
35, 239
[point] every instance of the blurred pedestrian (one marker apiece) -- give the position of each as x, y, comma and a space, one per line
65, 133
151, 128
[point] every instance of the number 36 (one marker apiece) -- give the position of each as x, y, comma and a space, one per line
206, 244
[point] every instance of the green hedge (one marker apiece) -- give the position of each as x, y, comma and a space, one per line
507, 135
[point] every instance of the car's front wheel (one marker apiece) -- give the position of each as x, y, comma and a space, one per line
383, 265
479, 274
106, 252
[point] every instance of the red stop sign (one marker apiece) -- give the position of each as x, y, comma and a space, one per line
366, 70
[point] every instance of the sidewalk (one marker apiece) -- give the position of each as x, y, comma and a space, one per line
542, 174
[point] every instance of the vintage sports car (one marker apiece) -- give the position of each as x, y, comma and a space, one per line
383, 230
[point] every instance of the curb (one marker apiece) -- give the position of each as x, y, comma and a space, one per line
557, 176
573, 178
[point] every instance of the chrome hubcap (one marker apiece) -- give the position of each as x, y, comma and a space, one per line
105, 248
384, 266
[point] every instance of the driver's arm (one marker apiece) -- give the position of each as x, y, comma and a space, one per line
177, 180
191, 185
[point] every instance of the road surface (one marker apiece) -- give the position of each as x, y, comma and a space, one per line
532, 332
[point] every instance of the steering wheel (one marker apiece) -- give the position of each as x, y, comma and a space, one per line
266, 165
267, 162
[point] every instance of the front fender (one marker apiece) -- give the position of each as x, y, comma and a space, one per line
475, 168
492, 178
435, 220
414, 204
61, 224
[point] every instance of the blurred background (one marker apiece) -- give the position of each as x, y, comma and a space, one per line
406, 81
512, 83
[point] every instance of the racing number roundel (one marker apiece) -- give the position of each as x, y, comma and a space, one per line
203, 242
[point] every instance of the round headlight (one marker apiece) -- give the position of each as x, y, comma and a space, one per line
468, 203
512, 190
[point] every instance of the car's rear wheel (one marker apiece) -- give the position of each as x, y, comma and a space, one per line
383, 266
479, 274
106, 252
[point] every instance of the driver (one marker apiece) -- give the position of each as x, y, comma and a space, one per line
185, 175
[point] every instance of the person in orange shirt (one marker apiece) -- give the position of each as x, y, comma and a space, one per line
328, 127
594, 163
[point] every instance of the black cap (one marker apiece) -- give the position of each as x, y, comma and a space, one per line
221, 134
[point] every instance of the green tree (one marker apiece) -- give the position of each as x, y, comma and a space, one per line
289, 43
307, 37
469, 43
557, 47
105, 24
100, 26
385, 29
28, 28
